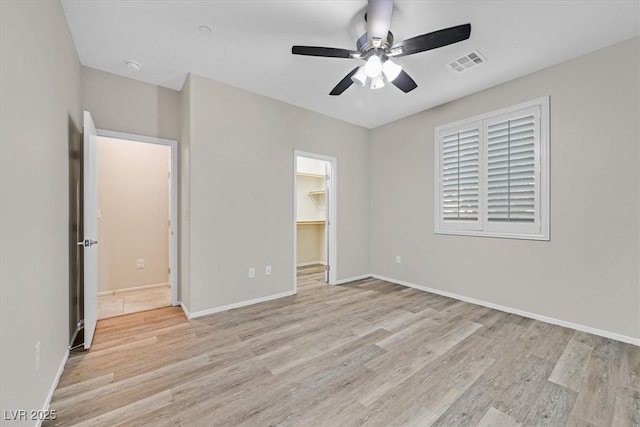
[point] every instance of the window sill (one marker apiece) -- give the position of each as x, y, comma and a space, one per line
540, 237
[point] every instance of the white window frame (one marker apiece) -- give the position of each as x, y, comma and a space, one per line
539, 229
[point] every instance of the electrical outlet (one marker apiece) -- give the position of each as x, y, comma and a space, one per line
252, 272
140, 263
267, 270
398, 259
38, 355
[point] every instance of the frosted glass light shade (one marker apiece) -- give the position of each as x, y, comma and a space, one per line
391, 70
360, 77
373, 67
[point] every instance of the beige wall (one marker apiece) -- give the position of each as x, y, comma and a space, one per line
133, 198
310, 247
311, 207
40, 86
588, 273
233, 134
126, 105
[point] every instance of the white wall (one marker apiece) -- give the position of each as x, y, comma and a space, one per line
588, 273
40, 86
241, 213
133, 199
131, 106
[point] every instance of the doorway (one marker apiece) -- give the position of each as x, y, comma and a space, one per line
314, 213
137, 207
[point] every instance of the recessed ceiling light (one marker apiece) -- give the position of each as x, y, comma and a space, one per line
134, 66
204, 29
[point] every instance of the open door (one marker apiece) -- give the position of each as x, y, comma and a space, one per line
90, 240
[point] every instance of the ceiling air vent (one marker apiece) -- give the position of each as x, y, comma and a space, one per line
467, 62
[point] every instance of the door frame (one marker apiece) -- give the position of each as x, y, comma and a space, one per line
173, 238
332, 260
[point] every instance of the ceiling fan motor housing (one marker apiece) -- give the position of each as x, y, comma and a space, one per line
366, 49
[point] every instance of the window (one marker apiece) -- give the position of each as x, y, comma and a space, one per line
492, 174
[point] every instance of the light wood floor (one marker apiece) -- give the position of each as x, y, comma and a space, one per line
367, 353
126, 302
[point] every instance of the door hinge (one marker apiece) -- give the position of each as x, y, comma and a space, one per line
169, 270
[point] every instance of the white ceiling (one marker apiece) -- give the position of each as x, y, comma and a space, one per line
250, 45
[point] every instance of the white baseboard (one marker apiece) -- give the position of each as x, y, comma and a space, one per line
56, 380
135, 288
351, 279
542, 318
234, 305
184, 308
306, 264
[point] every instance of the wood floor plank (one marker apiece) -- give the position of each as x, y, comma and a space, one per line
365, 353
626, 411
495, 418
518, 398
428, 393
630, 367
121, 414
572, 365
552, 408
600, 384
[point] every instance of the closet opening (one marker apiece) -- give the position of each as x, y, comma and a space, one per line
314, 217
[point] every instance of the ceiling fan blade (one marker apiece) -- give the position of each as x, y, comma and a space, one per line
434, 40
378, 20
328, 52
344, 83
404, 82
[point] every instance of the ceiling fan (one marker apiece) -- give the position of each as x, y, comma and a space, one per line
376, 48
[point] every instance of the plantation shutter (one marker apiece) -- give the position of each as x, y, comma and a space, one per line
492, 174
460, 174
511, 169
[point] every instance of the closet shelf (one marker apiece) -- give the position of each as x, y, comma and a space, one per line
310, 175
317, 192
310, 222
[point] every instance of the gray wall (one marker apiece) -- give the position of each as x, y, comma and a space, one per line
40, 86
588, 272
241, 191
183, 177
126, 105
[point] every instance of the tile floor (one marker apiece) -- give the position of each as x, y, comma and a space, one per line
133, 301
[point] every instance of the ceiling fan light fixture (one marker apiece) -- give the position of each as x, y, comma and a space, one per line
360, 77
373, 67
391, 70
377, 82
